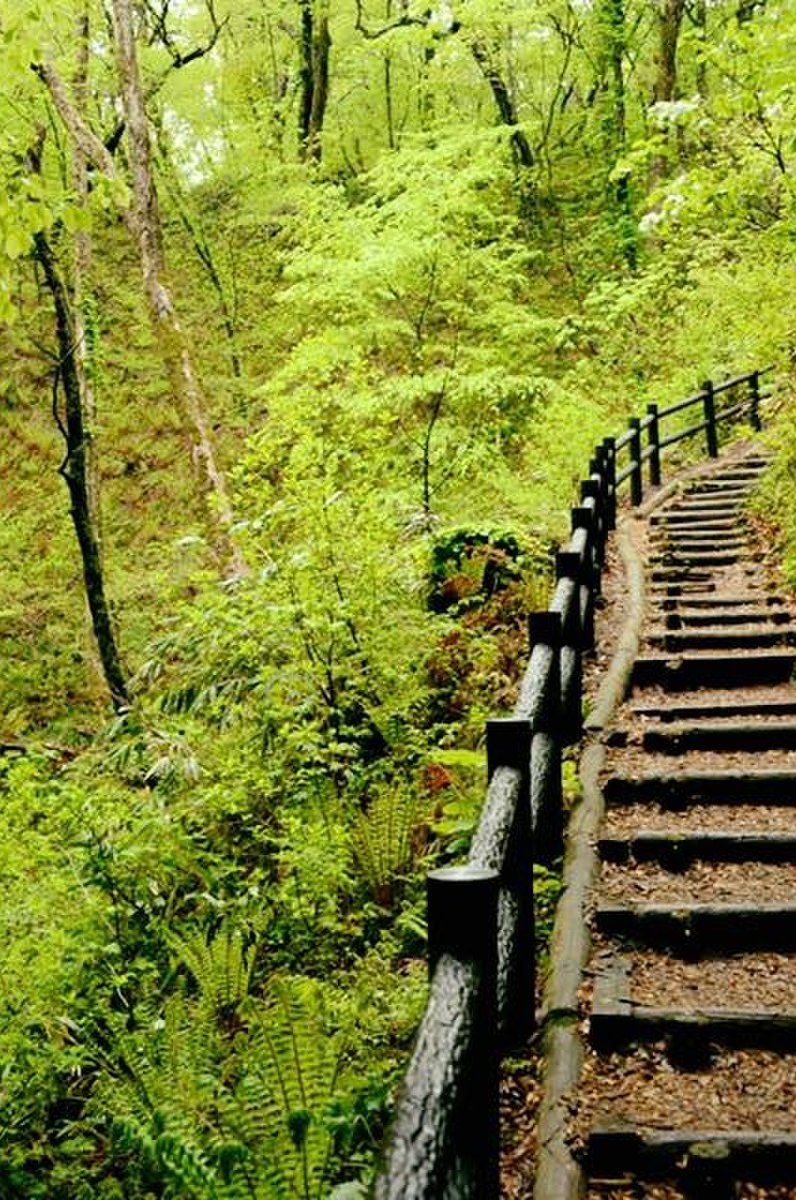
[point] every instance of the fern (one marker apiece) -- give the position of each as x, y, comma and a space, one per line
221, 1095
383, 843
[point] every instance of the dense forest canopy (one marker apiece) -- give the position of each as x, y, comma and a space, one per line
311, 311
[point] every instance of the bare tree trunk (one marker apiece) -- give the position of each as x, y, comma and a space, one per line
75, 467
701, 22
316, 44
146, 227
614, 23
669, 16
504, 102
82, 273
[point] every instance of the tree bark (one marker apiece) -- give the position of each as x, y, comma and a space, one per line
74, 470
316, 44
504, 102
82, 273
669, 19
614, 23
144, 220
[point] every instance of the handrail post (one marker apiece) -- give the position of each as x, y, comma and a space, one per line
508, 744
609, 458
547, 740
754, 401
654, 440
568, 567
594, 489
709, 403
462, 923
584, 518
636, 478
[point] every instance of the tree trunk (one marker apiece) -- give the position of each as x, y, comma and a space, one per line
520, 146
614, 23
669, 16
74, 470
701, 22
316, 44
82, 273
669, 21
144, 220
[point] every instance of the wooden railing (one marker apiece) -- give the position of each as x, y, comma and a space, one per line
445, 1137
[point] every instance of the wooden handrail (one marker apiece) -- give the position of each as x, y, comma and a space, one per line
444, 1139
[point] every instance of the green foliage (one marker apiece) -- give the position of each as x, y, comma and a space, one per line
213, 911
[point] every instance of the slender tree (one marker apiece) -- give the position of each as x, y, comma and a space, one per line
144, 223
315, 45
69, 409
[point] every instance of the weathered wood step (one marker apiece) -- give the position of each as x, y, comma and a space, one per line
710, 599
719, 709
689, 617
695, 929
695, 539
725, 735
680, 574
735, 637
742, 481
701, 558
676, 851
678, 789
704, 524
634, 1023
684, 672
617, 1021
690, 502
751, 1155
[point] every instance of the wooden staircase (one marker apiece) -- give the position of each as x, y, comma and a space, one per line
689, 1083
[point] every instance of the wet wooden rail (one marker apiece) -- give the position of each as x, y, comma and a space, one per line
445, 1137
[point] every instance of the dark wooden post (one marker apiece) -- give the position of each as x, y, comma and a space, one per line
654, 440
754, 401
508, 744
547, 739
636, 478
584, 518
594, 489
709, 403
462, 923
568, 567
609, 451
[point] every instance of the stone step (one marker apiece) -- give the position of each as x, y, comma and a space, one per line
697, 929
684, 672
676, 851
679, 789
735, 637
